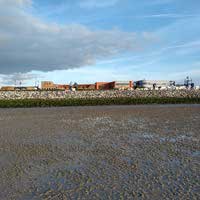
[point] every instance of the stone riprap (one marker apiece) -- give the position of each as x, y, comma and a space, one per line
98, 94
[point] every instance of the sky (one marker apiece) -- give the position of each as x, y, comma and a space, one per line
86, 41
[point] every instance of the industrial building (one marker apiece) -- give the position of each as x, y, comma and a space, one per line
114, 85
7, 88
121, 85
153, 84
49, 85
86, 86
104, 85
21, 88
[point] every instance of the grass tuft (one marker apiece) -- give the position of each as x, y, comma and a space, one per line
17, 103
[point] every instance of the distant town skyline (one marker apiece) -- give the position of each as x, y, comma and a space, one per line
87, 41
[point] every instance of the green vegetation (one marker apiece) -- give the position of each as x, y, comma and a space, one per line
94, 102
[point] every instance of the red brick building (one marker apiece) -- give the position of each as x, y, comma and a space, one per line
49, 85
86, 86
121, 85
114, 85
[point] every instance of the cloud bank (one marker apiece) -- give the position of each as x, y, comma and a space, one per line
19, 78
27, 43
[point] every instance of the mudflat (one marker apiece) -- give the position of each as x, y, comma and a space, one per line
101, 152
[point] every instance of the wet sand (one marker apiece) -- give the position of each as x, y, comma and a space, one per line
102, 152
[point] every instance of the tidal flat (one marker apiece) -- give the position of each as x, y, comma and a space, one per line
100, 152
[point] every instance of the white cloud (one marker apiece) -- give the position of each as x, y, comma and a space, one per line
168, 15
17, 3
155, 2
27, 43
97, 3
17, 78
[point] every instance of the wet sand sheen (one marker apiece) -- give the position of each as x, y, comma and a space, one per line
102, 152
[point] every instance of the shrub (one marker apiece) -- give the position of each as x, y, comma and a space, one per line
92, 102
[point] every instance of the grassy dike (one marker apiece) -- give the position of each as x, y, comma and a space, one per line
93, 102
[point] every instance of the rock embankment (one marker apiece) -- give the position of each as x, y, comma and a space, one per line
98, 94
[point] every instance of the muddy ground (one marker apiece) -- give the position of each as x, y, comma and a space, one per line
107, 152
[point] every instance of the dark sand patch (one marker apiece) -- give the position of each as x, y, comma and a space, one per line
108, 152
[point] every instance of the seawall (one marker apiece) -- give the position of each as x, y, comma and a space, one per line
8, 95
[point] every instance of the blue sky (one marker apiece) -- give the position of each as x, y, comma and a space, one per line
98, 40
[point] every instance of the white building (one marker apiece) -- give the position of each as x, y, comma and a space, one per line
154, 84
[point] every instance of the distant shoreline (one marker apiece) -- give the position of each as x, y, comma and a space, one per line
23, 103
